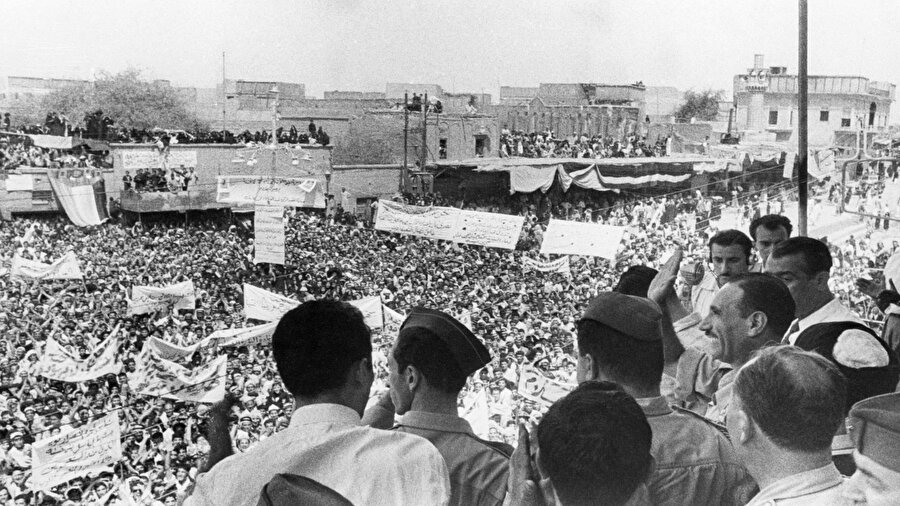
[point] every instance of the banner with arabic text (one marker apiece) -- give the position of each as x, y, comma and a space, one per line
270, 191
560, 265
88, 449
147, 299
65, 267
492, 230
58, 364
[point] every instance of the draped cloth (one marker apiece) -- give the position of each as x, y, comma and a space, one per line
81, 193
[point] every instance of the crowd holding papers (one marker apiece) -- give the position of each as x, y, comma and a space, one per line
91, 448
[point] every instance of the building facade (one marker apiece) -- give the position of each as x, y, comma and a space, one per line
839, 106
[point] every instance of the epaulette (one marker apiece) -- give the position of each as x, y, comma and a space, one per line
504, 448
716, 425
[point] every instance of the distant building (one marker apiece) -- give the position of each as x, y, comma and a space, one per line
579, 108
20, 88
395, 91
839, 106
661, 102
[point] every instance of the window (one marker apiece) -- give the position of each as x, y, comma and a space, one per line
442, 149
823, 116
773, 117
845, 122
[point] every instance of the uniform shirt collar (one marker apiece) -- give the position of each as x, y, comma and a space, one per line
324, 413
435, 421
800, 484
654, 406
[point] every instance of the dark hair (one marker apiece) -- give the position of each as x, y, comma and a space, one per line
816, 255
796, 397
594, 444
432, 357
316, 344
727, 238
621, 357
762, 292
636, 281
771, 222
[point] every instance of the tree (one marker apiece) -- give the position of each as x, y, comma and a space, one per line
132, 102
703, 105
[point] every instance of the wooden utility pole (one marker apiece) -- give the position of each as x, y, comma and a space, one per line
802, 101
424, 155
404, 171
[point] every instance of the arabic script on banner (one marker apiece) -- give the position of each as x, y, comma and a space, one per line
264, 305
58, 364
151, 158
158, 377
147, 299
268, 235
270, 191
246, 336
450, 224
533, 385
66, 267
90, 448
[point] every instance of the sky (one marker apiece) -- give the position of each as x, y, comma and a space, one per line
463, 45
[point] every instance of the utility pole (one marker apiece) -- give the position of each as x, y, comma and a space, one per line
404, 171
803, 99
424, 155
224, 95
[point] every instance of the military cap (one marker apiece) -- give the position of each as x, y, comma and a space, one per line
635, 317
469, 352
875, 429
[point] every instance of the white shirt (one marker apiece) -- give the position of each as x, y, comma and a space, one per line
325, 443
703, 294
834, 311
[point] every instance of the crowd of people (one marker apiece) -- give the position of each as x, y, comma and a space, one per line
547, 144
524, 319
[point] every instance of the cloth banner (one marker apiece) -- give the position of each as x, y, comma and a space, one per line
371, 310
88, 449
575, 238
153, 159
528, 178
81, 193
157, 377
66, 267
585, 178
58, 364
559, 265
246, 336
169, 351
264, 305
821, 163
533, 385
270, 191
730, 219
491, 230
147, 299
268, 235
19, 183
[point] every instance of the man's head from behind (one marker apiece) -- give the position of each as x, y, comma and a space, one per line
769, 230
729, 254
785, 401
323, 349
804, 265
432, 357
874, 426
750, 311
594, 445
620, 339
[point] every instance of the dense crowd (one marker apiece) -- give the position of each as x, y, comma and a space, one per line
524, 318
546, 144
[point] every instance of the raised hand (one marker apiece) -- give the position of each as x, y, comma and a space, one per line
663, 285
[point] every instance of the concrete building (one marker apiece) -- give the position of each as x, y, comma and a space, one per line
839, 106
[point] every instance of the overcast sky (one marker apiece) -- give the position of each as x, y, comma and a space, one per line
463, 45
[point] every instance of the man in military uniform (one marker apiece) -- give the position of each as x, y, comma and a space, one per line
874, 426
786, 407
433, 356
620, 340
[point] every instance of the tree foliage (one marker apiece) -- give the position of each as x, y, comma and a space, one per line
702, 105
127, 98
